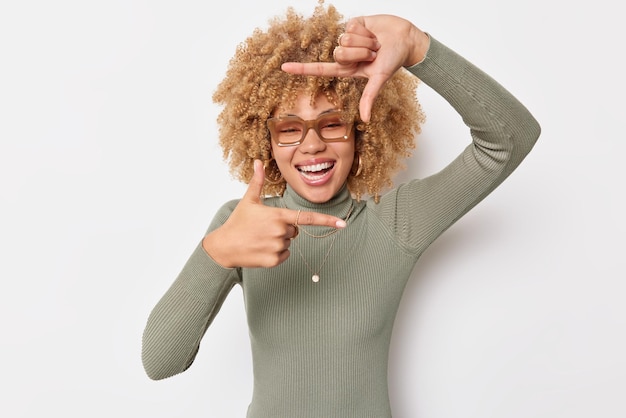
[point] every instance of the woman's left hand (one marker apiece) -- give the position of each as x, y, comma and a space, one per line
374, 47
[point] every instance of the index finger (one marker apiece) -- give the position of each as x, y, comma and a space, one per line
300, 217
323, 69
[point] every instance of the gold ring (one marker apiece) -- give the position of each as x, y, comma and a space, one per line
339, 38
297, 217
334, 53
296, 230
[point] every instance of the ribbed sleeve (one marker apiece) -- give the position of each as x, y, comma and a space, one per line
503, 132
179, 320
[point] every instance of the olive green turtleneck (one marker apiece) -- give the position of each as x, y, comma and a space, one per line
321, 349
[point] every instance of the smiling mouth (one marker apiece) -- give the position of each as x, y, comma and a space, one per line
315, 171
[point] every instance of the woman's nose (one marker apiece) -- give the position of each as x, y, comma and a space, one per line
312, 143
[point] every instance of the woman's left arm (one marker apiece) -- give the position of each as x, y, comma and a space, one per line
502, 133
502, 130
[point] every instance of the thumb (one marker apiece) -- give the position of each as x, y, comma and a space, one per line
373, 86
255, 186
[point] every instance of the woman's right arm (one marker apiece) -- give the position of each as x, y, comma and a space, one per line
181, 317
245, 233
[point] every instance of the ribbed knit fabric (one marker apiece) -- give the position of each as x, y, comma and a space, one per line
320, 350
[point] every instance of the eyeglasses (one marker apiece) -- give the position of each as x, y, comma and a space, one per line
289, 131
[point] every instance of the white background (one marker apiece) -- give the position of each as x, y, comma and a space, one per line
110, 173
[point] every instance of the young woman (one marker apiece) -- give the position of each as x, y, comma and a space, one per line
318, 115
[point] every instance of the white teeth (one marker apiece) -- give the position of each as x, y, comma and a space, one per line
315, 167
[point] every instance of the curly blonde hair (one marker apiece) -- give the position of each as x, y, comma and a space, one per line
255, 86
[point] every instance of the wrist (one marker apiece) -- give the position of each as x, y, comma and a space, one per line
421, 43
210, 244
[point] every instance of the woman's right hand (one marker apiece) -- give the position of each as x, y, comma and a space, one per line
256, 235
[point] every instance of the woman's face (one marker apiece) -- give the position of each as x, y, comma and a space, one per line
315, 169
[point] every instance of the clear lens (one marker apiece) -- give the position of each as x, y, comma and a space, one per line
331, 126
289, 129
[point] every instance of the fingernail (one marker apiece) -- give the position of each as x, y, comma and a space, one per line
341, 224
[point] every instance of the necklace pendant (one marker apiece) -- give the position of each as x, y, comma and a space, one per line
315, 278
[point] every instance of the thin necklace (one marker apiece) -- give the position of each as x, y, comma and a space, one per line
315, 273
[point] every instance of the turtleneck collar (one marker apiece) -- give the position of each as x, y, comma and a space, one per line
338, 205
